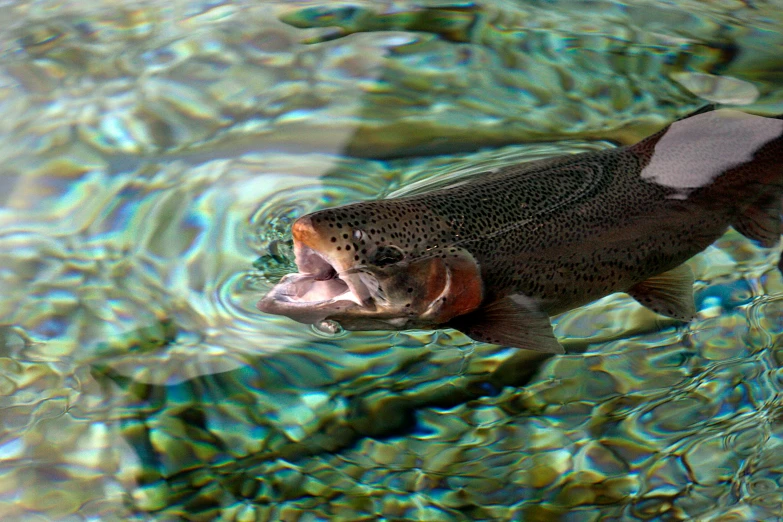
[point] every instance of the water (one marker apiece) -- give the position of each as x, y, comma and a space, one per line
154, 156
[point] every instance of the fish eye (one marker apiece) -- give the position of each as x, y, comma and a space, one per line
357, 235
386, 255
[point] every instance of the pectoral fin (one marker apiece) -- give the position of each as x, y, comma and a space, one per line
761, 222
511, 321
669, 293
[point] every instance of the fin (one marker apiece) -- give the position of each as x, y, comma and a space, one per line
512, 321
646, 147
761, 222
669, 293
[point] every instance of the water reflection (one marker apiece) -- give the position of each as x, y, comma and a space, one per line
151, 155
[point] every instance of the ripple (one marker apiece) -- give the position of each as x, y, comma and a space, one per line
765, 318
343, 182
422, 176
329, 330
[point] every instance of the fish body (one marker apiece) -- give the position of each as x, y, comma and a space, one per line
496, 255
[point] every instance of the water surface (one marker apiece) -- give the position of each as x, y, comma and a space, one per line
154, 156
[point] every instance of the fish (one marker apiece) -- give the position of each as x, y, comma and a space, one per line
496, 255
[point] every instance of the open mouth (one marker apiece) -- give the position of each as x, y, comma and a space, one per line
319, 288
321, 281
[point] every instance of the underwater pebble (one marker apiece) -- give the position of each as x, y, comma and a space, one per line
442, 459
665, 475
151, 497
487, 417
700, 499
248, 513
599, 458
544, 469
711, 462
541, 435
746, 442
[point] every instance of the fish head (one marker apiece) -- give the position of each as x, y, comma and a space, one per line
352, 271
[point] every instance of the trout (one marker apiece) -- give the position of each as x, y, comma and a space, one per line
495, 256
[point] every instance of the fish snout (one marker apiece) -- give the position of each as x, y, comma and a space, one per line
307, 233
304, 231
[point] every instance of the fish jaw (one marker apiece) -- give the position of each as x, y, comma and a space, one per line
306, 299
320, 288
423, 292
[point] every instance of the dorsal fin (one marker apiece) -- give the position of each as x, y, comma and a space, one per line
646, 147
696, 152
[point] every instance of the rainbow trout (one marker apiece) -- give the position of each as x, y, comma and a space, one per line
497, 255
